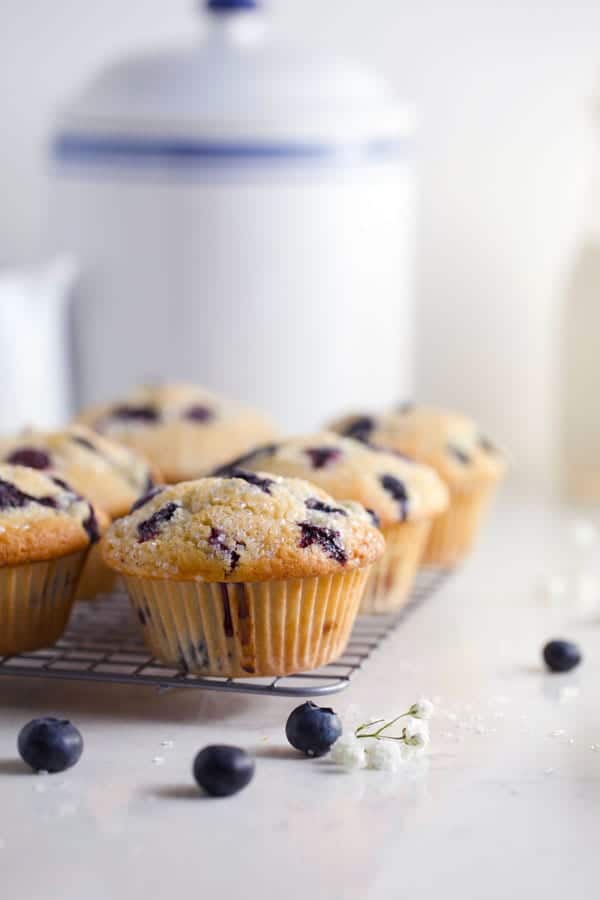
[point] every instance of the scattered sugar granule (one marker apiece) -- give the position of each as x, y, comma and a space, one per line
158, 760
168, 745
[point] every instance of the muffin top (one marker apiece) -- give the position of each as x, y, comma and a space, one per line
112, 476
41, 517
247, 526
184, 430
449, 442
395, 488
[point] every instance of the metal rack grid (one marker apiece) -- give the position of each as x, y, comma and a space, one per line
103, 644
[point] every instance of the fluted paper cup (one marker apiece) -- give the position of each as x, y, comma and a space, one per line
391, 577
454, 532
248, 629
96, 578
35, 602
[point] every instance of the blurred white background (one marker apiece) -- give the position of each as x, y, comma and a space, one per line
505, 151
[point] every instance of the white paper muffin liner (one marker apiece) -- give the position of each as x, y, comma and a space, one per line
454, 532
35, 602
391, 578
249, 629
96, 577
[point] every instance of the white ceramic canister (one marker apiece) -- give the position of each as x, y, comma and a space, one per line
242, 211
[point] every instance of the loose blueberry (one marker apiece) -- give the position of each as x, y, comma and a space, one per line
313, 729
30, 457
223, 770
322, 456
327, 538
313, 503
198, 413
397, 489
50, 745
360, 428
561, 656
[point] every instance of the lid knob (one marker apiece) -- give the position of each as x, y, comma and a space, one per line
230, 5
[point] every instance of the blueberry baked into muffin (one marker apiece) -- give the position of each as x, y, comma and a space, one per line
404, 497
452, 444
110, 475
184, 430
46, 530
248, 574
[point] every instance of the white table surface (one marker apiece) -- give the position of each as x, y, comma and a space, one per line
506, 804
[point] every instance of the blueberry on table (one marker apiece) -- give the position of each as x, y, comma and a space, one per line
561, 656
50, 745
223, 770
313, 729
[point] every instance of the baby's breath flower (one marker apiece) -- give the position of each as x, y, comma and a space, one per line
384, 755
422, 709
372, 741
416, 734
348, 752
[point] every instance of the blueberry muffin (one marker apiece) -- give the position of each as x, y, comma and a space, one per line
404, 497
184, 430
46, 530
469, 464
110, 475
249, 574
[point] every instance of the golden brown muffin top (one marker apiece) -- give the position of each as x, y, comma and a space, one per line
395, 488
185, 430
450, 443
110, 475
41, 517
246, 527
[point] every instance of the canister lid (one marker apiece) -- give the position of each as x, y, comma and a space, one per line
242, 90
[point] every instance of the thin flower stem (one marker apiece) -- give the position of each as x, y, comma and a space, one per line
382, 737
379, 733
367, 725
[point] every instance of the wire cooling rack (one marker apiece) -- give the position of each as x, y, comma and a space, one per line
103, 644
